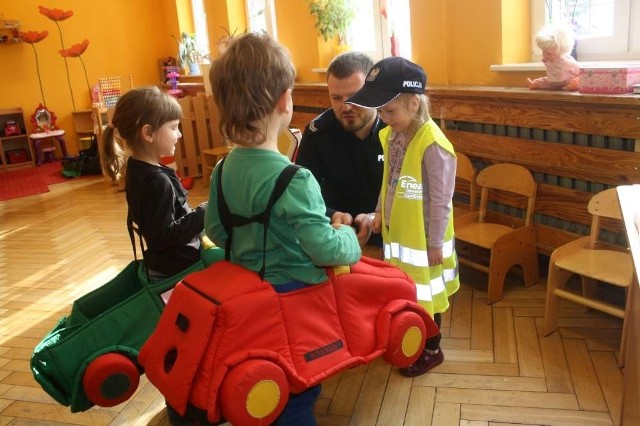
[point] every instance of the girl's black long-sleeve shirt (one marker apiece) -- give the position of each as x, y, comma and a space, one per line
158, 204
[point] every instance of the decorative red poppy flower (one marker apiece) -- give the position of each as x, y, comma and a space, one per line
33, 36
75, 50
55, 14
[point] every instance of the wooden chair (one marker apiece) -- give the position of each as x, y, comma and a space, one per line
587, 258
200, 128
288, 141
509, 244
466, 173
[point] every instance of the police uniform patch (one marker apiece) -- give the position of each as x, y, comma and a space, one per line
322, 122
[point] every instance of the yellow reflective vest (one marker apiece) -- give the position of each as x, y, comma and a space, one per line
405, 239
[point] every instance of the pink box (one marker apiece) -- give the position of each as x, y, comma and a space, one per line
609, 79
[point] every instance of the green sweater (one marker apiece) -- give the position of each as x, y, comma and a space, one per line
300, 239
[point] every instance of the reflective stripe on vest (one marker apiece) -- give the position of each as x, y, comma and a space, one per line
436, 285
414, 256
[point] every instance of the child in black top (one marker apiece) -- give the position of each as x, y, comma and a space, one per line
147, 120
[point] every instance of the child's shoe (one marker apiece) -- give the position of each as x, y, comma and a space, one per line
427, 361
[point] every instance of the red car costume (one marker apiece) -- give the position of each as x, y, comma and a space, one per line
228, 344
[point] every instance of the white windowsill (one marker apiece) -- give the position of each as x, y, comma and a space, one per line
538, 66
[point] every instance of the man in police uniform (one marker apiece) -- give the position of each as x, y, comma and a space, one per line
342, 149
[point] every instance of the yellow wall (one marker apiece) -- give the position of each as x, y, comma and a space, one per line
237, 15
224, 17
516, 30
216, 20
454, 40
296, 31
184, 16
125, 38
457, 41
430, 47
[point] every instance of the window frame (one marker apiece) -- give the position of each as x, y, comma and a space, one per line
382, 31
380, 27
270, 18
381, 45
623, 45
200, 28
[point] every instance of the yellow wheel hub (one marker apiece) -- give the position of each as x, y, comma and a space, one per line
411, 341
263, 398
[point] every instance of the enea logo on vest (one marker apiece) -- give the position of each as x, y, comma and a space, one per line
409, 188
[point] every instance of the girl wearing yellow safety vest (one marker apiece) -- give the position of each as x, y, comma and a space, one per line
414, 212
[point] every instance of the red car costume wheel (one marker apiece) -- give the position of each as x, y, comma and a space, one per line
407, 334
254, 393
110, 379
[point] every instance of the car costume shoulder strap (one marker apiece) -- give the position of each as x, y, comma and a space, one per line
230, 220
133, 228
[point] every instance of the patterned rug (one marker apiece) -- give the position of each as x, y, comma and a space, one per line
30, 180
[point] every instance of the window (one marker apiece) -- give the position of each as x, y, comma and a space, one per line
606, 29
388, 21
200, 24
261, 17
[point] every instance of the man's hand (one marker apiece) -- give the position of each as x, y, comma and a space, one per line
362, 224
376, 222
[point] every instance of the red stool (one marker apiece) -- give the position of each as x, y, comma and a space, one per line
49, 154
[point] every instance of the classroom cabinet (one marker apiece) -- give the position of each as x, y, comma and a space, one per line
15, 148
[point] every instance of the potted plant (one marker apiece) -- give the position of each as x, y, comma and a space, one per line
333, 18
223, 42
188, 54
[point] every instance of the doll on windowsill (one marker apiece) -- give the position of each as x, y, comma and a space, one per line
556, 43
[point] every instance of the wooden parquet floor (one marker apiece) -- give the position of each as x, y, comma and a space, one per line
498, 368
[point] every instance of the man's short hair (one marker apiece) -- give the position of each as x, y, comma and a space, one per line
348, 63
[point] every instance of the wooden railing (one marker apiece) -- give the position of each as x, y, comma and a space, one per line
199, 126
574, 144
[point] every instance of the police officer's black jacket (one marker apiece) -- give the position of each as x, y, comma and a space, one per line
348, 169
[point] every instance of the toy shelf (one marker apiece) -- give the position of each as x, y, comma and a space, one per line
15, 149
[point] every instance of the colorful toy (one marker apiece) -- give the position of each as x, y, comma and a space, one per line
110, 91
556, 43
228, 345
90, 356
11, 128
43, 120
173, 80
